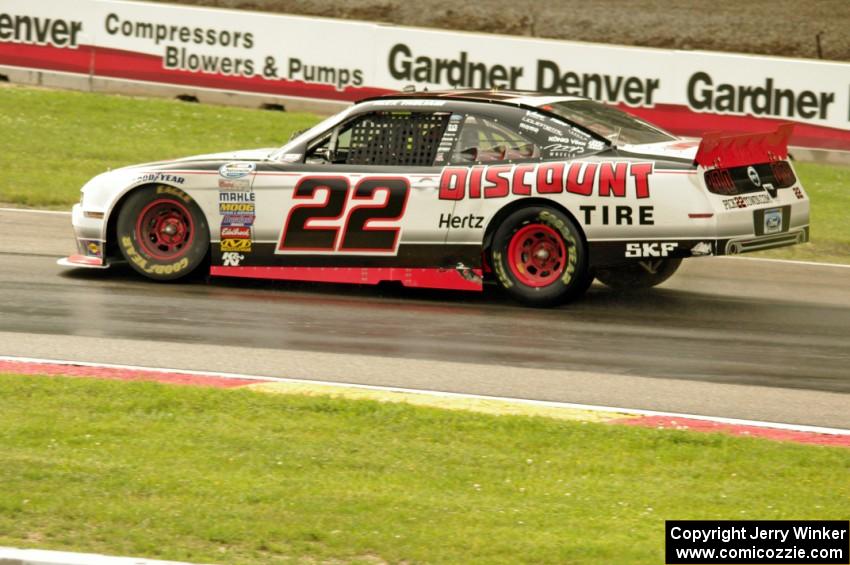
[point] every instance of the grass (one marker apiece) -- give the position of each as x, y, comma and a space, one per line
829, 190
237, 476
57, 140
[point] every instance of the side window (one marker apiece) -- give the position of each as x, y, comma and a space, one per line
557, 138
383, 138
486, 141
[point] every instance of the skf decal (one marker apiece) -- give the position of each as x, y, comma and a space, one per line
654, 249
606, 179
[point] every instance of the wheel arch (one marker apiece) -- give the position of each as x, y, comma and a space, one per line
111, 235
512, 207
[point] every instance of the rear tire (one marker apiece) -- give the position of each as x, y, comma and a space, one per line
638, 275
162, 233
539, 257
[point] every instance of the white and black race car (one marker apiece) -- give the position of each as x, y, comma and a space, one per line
539, 194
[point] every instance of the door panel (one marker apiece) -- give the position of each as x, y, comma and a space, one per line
323, 215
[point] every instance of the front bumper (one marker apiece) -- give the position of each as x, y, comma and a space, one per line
90, 236
82, 261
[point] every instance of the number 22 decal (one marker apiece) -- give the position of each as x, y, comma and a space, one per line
357, 233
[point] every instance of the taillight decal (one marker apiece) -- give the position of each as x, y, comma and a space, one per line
719, 181
783, 174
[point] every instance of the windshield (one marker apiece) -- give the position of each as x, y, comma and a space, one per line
309, 134
615, 125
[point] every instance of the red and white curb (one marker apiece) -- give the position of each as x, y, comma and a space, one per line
15, 556
627, 416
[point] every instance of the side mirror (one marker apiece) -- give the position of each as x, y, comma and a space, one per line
470, 154
321, 154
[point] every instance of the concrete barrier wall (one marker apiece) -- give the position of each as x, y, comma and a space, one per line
320, 64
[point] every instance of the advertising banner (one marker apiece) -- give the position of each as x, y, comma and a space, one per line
686, 92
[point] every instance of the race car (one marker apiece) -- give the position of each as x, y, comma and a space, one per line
539, 194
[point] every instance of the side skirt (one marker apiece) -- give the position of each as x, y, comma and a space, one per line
448, 279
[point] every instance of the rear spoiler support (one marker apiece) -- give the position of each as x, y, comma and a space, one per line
717, 150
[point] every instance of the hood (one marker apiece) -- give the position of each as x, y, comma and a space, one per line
243, 155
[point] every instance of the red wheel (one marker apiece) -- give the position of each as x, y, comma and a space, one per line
537, 255
165, 229
162, 232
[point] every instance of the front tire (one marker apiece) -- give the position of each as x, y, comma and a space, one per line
638, 275
539, 257
162, 233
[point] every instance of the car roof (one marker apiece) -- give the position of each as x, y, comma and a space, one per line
499, 101
513, 97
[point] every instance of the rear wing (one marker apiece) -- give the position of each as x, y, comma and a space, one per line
718, 150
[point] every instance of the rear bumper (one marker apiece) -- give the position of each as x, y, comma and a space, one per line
696, 223
617, 252
748, 244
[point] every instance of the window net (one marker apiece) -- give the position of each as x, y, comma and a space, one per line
397, 138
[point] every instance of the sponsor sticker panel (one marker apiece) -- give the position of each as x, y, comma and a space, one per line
237, 208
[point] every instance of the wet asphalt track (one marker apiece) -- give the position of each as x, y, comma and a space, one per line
723, 321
